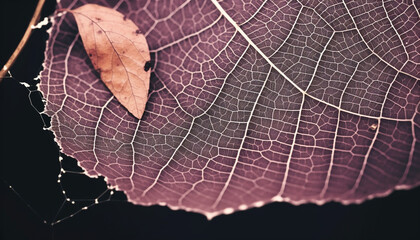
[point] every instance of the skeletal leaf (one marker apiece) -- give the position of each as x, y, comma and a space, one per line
118, 51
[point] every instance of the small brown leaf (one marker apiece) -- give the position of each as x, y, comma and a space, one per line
118, 52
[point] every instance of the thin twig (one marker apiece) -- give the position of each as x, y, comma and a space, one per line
23, 41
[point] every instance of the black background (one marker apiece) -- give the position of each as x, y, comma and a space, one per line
29, 158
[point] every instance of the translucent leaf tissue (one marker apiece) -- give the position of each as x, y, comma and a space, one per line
249, 103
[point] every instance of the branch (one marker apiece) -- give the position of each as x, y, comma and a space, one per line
23, 41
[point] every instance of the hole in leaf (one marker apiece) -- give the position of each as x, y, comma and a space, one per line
147, 66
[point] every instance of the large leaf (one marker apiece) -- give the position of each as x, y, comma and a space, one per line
250, 102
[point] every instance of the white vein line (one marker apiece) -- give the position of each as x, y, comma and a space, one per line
319, 60
192, 123
229, 18
362, 170
96, 131
393, 27
324, 189
300, 112
173, 96
413, 145
187, 37
286, 172
181, 199
367, 45
415, 8
365, 159
215, 98
134, 154
319, 15
222, 192
313, 76
231, 71
310, 83
66, 71
289, 34
118, 4
51, 55
169, 160
167, 17
256, 12
167, 89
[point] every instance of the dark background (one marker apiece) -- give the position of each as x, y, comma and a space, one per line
29, 163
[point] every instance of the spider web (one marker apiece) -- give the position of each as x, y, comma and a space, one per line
76, 191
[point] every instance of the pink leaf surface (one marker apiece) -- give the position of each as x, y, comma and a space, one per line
250, 102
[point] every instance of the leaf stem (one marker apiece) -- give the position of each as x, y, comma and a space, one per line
23, 41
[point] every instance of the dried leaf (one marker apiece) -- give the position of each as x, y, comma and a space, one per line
118, 51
